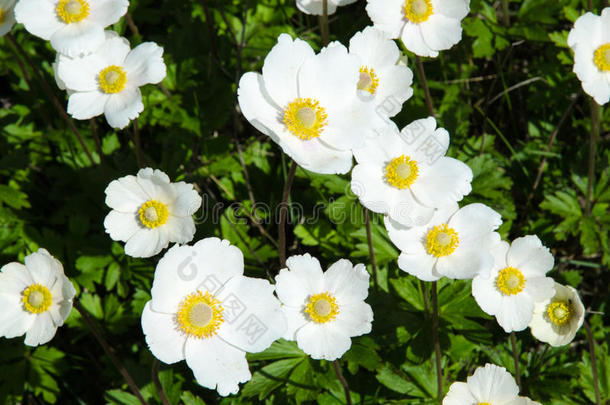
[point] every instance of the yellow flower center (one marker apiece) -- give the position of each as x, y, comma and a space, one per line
305, 118
71, 11
153, 214
510, 281
1, 16
559, 312
37, 299
401, 172
417, 11
322, 307
368, 80
483, 403
200, 315
441, 241
112, 79
601, 57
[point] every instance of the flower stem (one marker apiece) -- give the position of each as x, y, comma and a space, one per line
343, 381
110, 352
513, 341
157, 382
284, 213
424, 82
437, 344
369, 239
52, 97
595, 113
505, 16
136, 134
324, 26
598, 399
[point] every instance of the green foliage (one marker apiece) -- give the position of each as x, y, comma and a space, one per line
516, 114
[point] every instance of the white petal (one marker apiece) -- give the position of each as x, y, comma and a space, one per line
114, 49
125, 195
515, 312
408, 240
258, 107
475, 225
440, 32
457, 9
206, 266
381, 149
163, 338
253, 318
493, 384
355, 318
302, 278
374, 192
123, 107
486, 294
281, 67
459, 394
584, 28
420, 266
387, 16
374, 48
107, 12
43, 268
14, 278
42, 330
121, 226
348, 283
540, 288
295, 320
530, 256
187, 200
85, 105
80, 74
77, 38
217, 365
413, 39
180, 229
315, 7
144, 64
60, 311
39, 17
465, 264
146, 243
394, 89
14, 320
446, 181
323, 341
316, 156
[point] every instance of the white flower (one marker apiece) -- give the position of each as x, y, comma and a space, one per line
35, 299
382, 79
491, 385
315, 6
590, 41
108, 80
425, 26
309, 104
557, 320
205, 311
74, 27
516, 282
455, 243
324, 309
7, 16
406, 175
149, 212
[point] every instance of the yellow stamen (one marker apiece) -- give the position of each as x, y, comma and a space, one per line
112, 79
441, 241
559, 312
153, 214
368, 80
200, 315
71, 11
401, 172
305, 118
322, 307
37, 299
601, 57
417, 11
510, 281
483, 403
1, 16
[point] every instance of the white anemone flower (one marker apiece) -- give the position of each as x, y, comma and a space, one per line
203, 310
489, 385
149, 212
382, 78
424, 26
406, 175
108, 81
454, 244
516, 282
74, 27
324, 309
7, 16
309, 104
590, 41
557, 320
36, 298
315, 7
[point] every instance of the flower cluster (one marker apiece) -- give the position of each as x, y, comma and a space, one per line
97, 68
